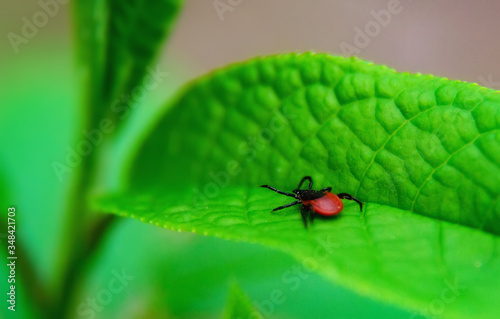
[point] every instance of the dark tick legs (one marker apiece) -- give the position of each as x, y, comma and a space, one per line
350, 197
279, 192
283, 193
287, 205
308, 178
305, 212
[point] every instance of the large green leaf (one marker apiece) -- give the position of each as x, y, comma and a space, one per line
422, 152
117, 41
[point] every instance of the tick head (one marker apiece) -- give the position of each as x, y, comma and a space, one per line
306, 194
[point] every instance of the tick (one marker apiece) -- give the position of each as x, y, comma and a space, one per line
322, 202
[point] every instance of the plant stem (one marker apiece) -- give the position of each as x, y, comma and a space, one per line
79, 262
79, 237
84, 232
26, 271
74, 230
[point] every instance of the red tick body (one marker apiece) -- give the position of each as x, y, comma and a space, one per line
322, 202
328, 205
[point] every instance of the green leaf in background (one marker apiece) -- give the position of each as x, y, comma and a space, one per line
117, 42
239, 305
182, 275
33, 185
421, 151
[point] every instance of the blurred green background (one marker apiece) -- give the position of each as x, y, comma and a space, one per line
191, 276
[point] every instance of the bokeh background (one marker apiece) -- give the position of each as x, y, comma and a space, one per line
188, 275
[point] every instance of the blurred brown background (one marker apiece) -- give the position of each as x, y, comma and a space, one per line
454, 39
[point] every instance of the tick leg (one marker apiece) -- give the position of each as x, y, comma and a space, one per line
287, 205
304, 211
327, 189
303, 180
279, 192
350, 197
312, 214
